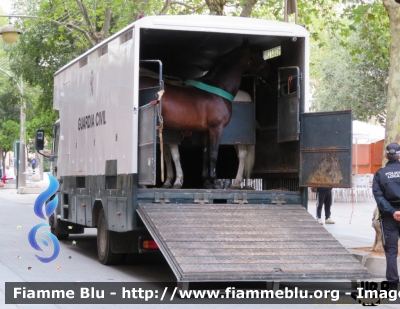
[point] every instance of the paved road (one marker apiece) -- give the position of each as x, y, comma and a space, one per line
75, 263
78, 262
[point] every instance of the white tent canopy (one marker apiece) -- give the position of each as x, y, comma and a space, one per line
365, 133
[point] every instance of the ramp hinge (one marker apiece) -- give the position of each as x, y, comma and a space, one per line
201, 198
240, 198
278, 199
160, 197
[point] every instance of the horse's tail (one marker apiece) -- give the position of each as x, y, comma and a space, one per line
249, 163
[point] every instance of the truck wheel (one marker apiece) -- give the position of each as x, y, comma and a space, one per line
56, 229
106, 256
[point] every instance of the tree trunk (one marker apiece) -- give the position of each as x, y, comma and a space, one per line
378, 245
393, 98
216, 7
248, 8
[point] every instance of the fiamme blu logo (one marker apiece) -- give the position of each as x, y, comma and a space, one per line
44, 211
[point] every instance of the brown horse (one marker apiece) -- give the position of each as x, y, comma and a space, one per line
206, 109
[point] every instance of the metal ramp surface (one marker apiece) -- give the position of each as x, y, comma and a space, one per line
230, 242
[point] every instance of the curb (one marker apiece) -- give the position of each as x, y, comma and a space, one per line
376, 265
31, 190
9, 186
362, 257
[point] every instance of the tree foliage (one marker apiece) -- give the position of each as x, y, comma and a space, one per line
67, 28
348, 80
350, 63
9, 103
9, 134
38, 56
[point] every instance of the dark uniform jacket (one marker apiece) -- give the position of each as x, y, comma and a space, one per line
386, 187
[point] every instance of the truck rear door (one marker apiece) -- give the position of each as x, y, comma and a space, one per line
325, 149
147, 144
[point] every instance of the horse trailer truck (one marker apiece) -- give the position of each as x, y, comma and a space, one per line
106, 156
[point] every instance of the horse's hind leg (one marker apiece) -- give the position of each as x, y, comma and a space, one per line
179, 173
206, 163
170, 172
214, 138
242, 153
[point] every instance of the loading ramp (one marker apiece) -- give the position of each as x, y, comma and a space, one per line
230, 242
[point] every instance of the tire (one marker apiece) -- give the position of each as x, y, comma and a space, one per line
106, 256
55, 228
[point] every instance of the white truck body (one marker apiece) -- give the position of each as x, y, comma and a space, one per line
97, 102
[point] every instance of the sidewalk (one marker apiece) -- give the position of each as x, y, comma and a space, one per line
353, 223
32, 186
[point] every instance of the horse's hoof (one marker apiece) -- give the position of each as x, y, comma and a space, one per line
217, 185
234, 187
166, 186
177, 186
248, 188
227, 184
208, 185
212, 185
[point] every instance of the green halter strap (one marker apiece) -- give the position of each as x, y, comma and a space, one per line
211, 89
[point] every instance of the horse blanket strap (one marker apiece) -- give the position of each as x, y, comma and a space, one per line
211, 89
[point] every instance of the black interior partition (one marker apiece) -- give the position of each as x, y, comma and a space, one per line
288, 104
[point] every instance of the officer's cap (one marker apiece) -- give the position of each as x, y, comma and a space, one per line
393, 148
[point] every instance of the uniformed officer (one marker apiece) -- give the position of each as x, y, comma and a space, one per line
386, 189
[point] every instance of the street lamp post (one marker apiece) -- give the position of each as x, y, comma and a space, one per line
10, 35
22, 138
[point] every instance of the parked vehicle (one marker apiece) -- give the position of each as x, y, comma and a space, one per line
106, 156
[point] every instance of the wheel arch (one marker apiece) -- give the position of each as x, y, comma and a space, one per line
97, 206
